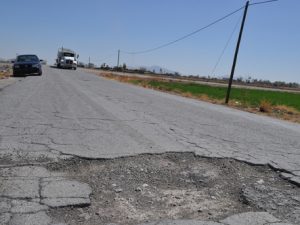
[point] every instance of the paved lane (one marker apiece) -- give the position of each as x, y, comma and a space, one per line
73, 113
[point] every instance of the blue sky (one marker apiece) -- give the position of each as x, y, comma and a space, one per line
270, 47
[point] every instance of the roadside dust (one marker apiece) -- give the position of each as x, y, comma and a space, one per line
142, 188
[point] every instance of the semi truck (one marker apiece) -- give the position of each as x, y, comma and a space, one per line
66, 58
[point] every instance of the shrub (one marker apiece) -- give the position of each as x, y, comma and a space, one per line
265, 106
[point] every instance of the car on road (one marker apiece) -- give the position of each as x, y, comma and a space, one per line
26, 65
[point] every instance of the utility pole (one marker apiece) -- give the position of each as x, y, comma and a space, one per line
118, 58
89, 61
236, 53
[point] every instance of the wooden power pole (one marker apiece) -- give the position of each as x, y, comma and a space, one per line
118, 58
236, 53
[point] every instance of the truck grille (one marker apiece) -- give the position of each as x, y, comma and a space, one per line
68, 61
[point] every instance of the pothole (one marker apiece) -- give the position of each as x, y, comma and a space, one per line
143, 188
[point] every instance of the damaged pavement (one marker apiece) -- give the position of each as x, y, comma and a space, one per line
71, 115
27, 193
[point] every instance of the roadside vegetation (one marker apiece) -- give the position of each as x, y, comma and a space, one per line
283, 105
249, 81
5, 70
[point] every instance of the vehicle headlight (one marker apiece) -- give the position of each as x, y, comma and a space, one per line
35, 65
61, 60
16, 66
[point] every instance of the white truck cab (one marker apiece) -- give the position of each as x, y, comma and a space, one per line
66, 58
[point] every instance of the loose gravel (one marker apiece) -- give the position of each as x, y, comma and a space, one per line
132, 190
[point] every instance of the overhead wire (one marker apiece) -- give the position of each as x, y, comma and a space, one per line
185, 36
201, 29
231, 35
263, 2
226, 45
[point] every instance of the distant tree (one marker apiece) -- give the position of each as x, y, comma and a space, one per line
142, 70
293, 85
103, 65
248, 80
90, 65
81, 64
239, 79
279, 84
124, 66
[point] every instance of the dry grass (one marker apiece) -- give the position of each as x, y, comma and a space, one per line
4, 75
265, 107
5, 71
285, 109
286, 113
111, 76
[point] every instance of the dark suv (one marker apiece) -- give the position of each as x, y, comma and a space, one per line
27, 64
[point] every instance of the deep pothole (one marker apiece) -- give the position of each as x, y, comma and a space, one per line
142, 188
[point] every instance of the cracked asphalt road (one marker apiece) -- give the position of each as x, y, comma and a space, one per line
66, 113
76, 113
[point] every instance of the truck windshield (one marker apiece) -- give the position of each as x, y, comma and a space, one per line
68, 54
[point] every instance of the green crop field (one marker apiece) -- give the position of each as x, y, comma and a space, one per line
247, 97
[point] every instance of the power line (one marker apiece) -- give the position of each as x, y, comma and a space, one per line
263, 2
227, 43
224, 49
196, 31
185, 36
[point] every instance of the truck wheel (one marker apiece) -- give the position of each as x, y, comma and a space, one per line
58, 65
